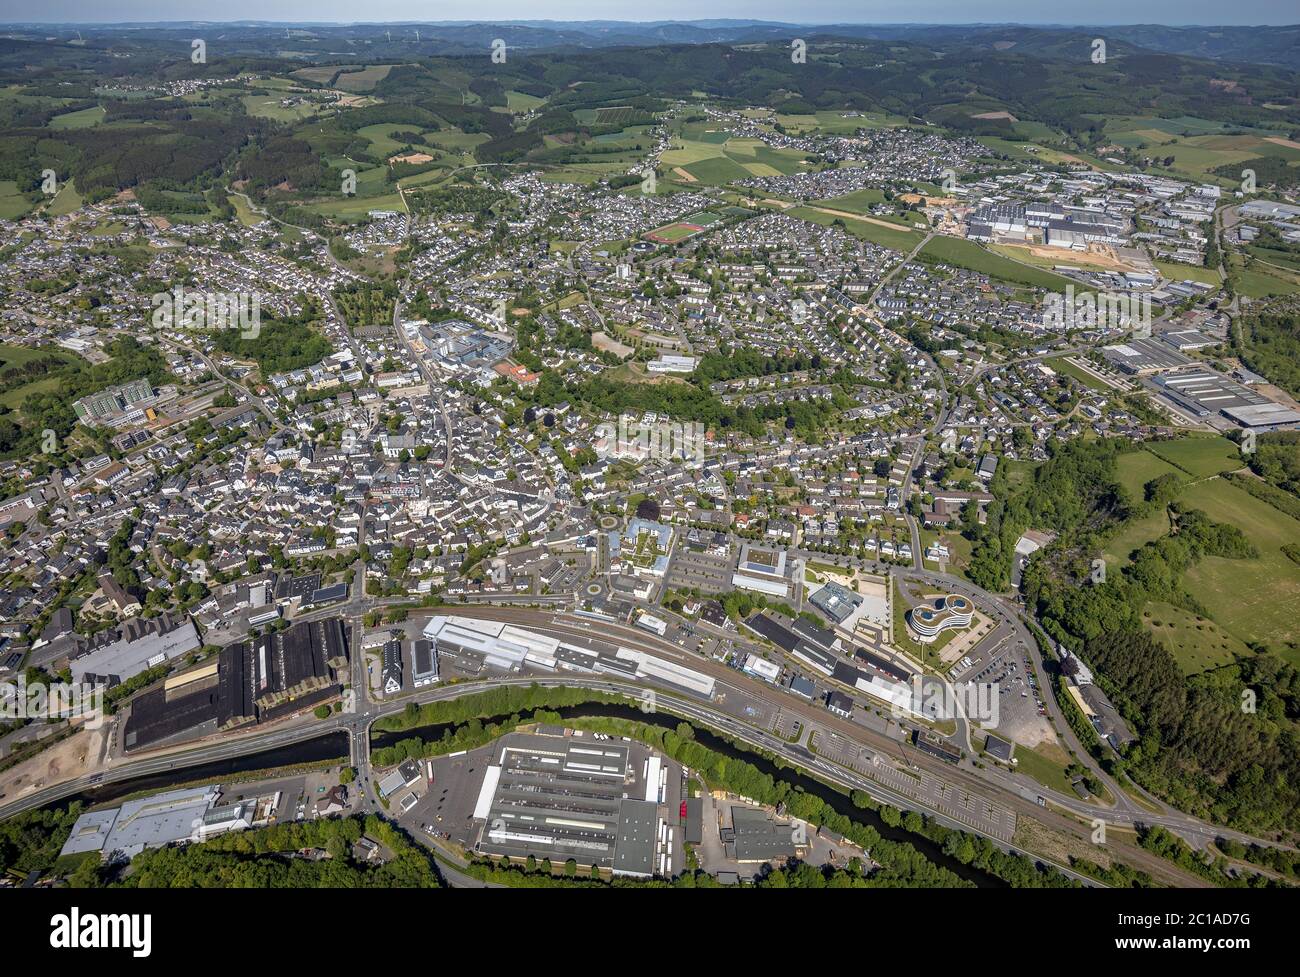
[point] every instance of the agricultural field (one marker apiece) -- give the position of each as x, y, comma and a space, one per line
269, 107
364, 80
12, 204
1178, 272
521, 102
83, 119
1255, 600
1199, 457
1196, 642
322, 75
455, 141
712, 158
616, 115
878, 232
834, 123
1199, 146
357, 208
858, 202
968, 254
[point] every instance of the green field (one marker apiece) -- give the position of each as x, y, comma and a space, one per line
12, 204
969, 255
66, 200
247, 216
17, 355
1136, 468
833, 122
455, 141
1199, 457
92, 116
1179, 272
858, 202
1262, 281
1062, 365
522, 102
1255, 600
1196, 642
356, 208
899, 240
269, 107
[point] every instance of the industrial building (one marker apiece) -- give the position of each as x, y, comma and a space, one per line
574, 798
1203, 393
185, 815
473, 645
259, 680
117, 654
1139, 357
756, 836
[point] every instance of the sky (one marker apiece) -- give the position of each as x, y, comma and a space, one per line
1170, 12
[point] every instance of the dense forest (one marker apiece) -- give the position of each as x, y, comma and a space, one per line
1270, 345
1202, 745
1197, 747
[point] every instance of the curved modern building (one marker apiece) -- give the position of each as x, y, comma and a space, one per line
926, 620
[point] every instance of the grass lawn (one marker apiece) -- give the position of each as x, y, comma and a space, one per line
1255, 600
1049, 772
898, 240
12, 204
1061, 364
1179, 272
968, 254
83, 119
1199, 457
1018, 471
1196, 642
65, 201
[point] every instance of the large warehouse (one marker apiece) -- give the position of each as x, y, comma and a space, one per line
473, 644
1204, 392
254, 681
574, 798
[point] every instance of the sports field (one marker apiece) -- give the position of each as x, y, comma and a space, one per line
673, 233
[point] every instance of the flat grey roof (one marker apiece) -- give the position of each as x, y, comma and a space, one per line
634, 853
